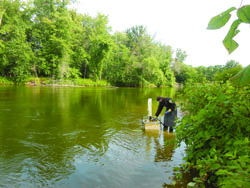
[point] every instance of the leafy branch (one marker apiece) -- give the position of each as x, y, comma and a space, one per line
217, 22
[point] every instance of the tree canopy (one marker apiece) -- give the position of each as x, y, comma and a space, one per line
47, 39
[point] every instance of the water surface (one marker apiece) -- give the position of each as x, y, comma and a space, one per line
82, 137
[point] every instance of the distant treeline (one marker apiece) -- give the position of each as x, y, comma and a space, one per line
186, 73
44, 38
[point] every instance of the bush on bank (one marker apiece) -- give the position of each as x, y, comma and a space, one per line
5, 81
216, 130
77, 82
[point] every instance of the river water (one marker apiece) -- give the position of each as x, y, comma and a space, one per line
83, 137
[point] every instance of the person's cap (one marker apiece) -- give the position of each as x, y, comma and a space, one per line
158, 98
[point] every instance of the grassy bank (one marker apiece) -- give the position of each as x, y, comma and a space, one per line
79, 82
67, 82
62, 82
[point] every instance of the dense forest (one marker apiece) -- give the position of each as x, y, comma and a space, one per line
47, 39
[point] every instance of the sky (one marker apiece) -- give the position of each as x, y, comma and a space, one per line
178, 23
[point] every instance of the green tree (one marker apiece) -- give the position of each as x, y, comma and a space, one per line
79, 41
146, 55
139, 42
119, 61
228, 71
51, 37
152, 73
99, 42
179, 68
163, 54
15, 54
44, 38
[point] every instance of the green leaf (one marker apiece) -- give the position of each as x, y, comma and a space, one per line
228, 42
239, 142
220, 20
221, 172
246, 140
229, 154
191, 184
242, 78
215, 166
202, 186
176, 168
244, 14
174, 183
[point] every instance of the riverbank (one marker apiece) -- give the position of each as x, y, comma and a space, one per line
54, 83
79, 82
69, 83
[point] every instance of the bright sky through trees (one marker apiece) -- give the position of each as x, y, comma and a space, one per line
178, 23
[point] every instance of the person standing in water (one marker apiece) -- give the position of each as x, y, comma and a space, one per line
170, 113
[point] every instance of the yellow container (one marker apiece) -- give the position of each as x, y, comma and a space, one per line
151, 124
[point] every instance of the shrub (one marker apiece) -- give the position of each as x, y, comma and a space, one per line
6, 81
216, 130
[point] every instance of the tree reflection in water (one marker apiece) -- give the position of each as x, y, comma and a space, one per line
164, 151
162, 142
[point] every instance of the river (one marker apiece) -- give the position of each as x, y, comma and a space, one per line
83, 137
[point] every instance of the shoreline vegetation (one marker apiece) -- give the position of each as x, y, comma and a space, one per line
48, 39
80, 82
54, 83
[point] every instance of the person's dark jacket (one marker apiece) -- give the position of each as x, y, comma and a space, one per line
166, 102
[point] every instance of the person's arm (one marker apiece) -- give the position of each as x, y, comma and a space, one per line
160, 107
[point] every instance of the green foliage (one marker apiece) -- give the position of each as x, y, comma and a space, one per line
45, 39
51, 38
228, 42
243, 14
242, 78
99, 43
228, 71
186, 73
77, 82
135, 60
74, 73
119, 61
5, 81
216, 130
163, 54
15, 62
220, 20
